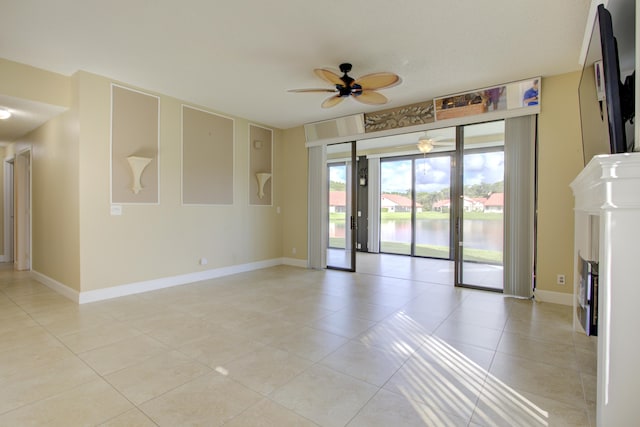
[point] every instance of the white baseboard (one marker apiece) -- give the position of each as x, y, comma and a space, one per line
554, 297
155, 284
60, 288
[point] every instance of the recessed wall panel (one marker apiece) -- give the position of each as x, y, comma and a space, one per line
260, 165
134, 146
207, 158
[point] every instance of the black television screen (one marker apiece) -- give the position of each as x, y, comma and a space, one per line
601, 113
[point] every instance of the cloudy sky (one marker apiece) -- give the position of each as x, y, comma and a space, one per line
434, 173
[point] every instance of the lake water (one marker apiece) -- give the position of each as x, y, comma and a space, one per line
479, 234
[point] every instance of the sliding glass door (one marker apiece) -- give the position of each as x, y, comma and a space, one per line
480, 206
341, 173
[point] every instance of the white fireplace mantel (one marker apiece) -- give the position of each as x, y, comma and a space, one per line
607, 230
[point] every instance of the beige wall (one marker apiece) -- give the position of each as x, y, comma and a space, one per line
54, 169
3, 153
294, 186
559, 162
23, 81
151, 242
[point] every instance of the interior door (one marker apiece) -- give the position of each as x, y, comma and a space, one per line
479, 206
341, 176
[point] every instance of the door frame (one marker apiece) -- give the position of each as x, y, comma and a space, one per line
8, 211
351, 191
22, 182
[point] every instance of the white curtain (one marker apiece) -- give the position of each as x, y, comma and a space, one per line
519, 209
317, 205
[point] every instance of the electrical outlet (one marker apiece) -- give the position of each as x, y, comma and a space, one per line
293, 251
560, 279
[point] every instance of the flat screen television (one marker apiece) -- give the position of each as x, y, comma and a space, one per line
605, 102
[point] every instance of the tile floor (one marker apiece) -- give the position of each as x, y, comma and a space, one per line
291, 347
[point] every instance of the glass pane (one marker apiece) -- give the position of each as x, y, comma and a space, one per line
340, 239
482, 205
337, 205
395, 206
433, 206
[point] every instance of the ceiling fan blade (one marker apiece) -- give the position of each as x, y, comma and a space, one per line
328, 76
377, 81
370, 97
313, 90
333, 101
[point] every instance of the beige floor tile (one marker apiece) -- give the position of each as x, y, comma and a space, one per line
469, 357
541, 379
266, 369
155, 376
184, 331
210, 400
399, 333
372, 312
414, 318
122, 354
27, 336
551, 352
370, 364
267, 413
88, 404
467, 333
41, 381
19, 361
10, 311
102, 335
391, 409
311, 344
305, 314
502, 406
590, 386
130, 308
543, 330
131, 418
343, 324
480, 316
219, 348
71, 321
43, 301
325, 396
267, 329
587, 361
441, 379
16, 322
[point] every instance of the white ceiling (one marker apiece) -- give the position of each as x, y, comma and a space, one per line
240, 57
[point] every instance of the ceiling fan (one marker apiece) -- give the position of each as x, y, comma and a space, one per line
362, 89
427, 143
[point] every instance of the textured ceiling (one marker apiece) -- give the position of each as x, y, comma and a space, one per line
241, 57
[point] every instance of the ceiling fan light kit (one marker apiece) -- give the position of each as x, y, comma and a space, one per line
362, 89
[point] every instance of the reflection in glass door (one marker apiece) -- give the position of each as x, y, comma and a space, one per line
433, 206
480, 207
341, 176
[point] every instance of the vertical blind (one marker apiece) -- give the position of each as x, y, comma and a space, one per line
519, 209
